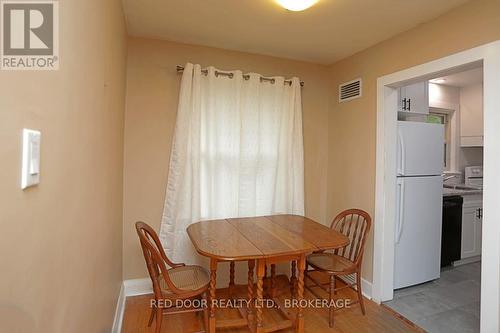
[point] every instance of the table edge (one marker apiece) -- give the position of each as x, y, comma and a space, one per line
262, 256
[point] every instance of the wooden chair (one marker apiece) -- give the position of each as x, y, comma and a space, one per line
355, 224
179, 282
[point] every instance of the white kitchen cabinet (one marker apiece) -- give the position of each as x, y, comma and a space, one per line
414, 98
471, 116
472, 218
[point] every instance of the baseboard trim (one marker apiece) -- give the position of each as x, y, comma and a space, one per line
366, 286
129, 288
466, 261
120, 309
137, 287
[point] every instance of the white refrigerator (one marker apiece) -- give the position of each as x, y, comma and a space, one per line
420, 159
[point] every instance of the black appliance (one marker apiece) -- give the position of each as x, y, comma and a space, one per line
451, 237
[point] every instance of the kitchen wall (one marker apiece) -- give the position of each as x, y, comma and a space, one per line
471, 103
352, 125
469, 98
61, 241
442, 95
470, 156
152, 96
443, 98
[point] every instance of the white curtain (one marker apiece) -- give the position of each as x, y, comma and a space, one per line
237, 151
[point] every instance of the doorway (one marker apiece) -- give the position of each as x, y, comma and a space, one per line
449, 300
385, 214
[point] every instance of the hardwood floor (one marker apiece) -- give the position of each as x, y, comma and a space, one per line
377, 319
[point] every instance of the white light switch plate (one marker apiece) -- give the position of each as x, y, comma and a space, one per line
30, 173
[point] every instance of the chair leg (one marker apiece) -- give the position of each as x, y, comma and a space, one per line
206, 314
152, 316
331, 309
360, 293
159, 317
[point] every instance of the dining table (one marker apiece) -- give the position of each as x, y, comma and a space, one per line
262, 241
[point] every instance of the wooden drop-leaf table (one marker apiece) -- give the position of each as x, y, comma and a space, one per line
262, 241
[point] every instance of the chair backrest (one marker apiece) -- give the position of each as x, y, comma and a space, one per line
355, 224
156, 259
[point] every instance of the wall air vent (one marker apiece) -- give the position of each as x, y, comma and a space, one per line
350, 90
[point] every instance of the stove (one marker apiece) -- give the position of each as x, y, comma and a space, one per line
474, 176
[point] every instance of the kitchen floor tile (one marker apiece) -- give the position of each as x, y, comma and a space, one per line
472, 270
414, 289
449, 277
456, 321
457, 294
474, 308
448, 304
418, 306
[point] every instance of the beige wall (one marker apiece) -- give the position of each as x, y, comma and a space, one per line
339, 138
352, 125
152, 95
61, 241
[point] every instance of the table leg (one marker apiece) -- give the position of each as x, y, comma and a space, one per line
272, 292
251, 265
231, 279
212, 288
259, 298
293, 279
300, 294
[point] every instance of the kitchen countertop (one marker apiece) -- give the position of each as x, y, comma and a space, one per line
448, 192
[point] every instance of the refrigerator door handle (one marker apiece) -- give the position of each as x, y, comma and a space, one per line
399, 224
402, 157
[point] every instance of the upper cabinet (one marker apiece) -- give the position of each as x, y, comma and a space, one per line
471, 116
414, 98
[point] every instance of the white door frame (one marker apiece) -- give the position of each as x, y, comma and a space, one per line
385, 199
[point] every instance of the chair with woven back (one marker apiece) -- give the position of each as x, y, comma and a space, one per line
355, 224
178, 282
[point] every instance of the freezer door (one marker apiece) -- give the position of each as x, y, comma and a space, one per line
417, 253
420, 149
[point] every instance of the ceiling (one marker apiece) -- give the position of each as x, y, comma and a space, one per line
327, 32
463, 79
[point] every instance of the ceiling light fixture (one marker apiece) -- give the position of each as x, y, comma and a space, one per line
296, 5
439, 81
